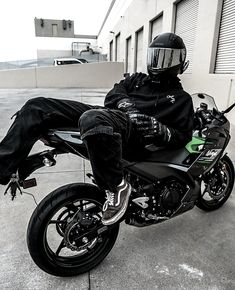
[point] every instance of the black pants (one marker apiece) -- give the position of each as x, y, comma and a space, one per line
106, 133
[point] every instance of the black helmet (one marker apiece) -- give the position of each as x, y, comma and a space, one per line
166, 55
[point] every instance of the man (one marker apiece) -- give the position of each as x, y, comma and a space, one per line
139, 111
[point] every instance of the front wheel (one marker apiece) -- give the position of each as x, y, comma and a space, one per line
65, 235
217, 185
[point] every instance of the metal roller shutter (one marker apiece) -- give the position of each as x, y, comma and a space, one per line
128, 55
139, 50
186, 25
117, 48
111, 50
225, 58
156, 27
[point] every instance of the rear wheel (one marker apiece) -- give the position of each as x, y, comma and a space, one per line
217, 185
65, 235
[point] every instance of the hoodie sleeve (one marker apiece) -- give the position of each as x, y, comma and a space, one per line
181, 130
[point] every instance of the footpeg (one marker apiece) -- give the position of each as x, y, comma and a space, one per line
141, 201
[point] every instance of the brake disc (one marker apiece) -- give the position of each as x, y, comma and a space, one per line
215, 190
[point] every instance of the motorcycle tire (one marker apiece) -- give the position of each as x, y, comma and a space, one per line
54, 227
216, 198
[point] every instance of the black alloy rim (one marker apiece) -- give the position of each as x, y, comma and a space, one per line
94, 247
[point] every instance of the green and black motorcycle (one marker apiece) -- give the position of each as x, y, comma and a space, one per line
65, 235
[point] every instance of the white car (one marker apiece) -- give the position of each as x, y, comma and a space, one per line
63, 61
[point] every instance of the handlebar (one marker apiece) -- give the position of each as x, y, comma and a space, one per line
205, 118
204, 114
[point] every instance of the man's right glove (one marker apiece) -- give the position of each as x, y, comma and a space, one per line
152, 130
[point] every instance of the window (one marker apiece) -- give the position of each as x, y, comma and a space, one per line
139, 50
225, 57
117, 48
155, 27
185, 26
67, 62
111, 51
128, 54
54, 30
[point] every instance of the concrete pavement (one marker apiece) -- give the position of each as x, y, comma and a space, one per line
193, 251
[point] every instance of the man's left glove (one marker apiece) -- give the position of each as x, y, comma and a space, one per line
152, 130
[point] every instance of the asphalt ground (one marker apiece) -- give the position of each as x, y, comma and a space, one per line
193, 251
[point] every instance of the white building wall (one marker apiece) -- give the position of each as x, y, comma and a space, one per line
202, 77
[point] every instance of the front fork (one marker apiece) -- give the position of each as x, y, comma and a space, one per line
217, 170
215, 180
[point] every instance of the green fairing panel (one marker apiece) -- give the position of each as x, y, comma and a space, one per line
192, 146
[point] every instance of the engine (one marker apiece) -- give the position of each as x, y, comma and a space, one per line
154, 203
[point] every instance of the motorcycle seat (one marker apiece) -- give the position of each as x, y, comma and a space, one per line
156, 154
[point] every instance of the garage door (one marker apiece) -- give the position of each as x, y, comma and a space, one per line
186, 25
225, 58
139, 51
117, 48
128, 55
111, 50
156, 27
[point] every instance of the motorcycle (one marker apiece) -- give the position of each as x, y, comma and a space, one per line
65, 235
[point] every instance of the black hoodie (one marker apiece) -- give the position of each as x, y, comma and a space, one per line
164, 99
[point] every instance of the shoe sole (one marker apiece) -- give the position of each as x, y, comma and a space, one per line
120, 214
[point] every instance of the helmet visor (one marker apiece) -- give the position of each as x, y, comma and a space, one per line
163, 58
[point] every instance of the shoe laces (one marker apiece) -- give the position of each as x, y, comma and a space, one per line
109, 200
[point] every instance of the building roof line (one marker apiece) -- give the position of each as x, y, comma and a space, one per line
85, 36
106, 16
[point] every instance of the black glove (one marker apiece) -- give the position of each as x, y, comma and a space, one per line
152, 130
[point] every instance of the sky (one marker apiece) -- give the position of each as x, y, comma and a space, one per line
17, 32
